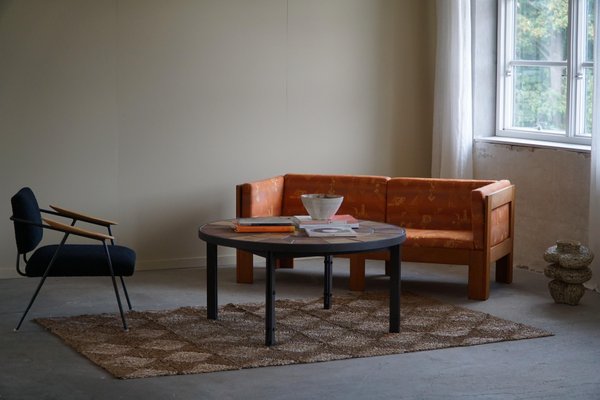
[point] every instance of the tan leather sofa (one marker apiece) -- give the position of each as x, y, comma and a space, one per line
447, 221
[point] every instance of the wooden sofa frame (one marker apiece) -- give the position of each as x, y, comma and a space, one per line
495, 248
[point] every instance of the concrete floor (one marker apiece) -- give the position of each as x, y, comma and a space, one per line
37, 365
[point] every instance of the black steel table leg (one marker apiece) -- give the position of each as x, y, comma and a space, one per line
327, 283
211, 281
395, 289
270, 301
219, 233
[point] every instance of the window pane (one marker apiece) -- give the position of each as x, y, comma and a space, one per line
541, 29
540, 98
589, 31
588, 101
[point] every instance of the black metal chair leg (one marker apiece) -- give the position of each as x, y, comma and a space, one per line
30, 303
125, 291
42, 281
112, 241
112, 275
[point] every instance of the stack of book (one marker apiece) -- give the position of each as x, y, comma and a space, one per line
264, 224
338, 225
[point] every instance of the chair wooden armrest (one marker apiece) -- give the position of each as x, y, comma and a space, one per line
76, 230
82, 217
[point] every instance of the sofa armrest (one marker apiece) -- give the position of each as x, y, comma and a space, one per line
501, 215
492, 213
262, 198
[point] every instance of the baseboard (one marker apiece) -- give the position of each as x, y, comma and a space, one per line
9, 274
178, 263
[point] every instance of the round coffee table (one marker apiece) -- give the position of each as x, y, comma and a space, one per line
371, 236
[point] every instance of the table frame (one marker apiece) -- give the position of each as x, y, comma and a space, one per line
390, 239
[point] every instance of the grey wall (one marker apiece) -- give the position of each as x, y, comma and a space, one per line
552, 200
149, 112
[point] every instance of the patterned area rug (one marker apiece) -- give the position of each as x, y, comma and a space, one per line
183, 341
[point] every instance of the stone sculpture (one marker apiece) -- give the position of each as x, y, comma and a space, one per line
568, 270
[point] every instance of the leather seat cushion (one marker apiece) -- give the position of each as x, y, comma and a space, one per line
432, 238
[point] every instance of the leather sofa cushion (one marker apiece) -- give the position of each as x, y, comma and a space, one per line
432, 238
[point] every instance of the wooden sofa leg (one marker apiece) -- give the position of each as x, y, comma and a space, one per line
504, 269
285, 263
479, 277
357, 273
244, 268
388, 268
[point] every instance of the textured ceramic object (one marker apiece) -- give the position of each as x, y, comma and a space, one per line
568, 270
321, 206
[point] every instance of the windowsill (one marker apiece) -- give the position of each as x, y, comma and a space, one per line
535, 143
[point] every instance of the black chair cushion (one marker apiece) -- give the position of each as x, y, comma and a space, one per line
25, 206
81, 260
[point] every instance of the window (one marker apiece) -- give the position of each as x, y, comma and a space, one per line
545, 69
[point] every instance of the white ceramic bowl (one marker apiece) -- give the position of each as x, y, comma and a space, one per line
321, 206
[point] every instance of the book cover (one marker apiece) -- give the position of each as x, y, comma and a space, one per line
263, 228
302, 221
265, 221
347, 218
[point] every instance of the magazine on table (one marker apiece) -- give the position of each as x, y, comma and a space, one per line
330, 230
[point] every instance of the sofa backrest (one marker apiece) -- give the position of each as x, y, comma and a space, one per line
260, 199
364, 195
426, 203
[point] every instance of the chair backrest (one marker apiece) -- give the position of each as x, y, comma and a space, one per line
25, 207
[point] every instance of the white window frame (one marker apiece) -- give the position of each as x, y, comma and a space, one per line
574, 64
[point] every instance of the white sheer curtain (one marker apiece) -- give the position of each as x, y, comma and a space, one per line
594, 220
452, 153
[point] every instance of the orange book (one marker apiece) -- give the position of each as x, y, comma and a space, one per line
263, 228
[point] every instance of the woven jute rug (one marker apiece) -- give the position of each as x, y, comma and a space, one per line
184, 341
